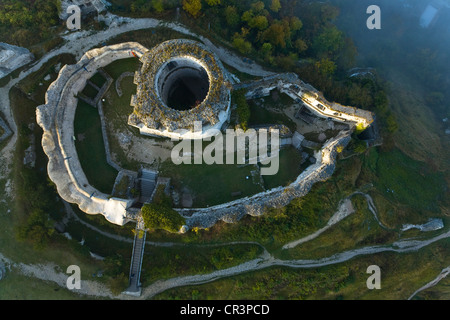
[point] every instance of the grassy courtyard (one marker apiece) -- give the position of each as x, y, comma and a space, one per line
88, 131
211, 184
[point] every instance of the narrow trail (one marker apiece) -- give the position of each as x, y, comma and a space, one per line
344, 210
444, 273
266, 260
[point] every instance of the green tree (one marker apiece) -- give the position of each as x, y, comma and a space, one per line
328, 13
275, 35
295, 24
257, 7
326, 67
242, 108
232, 16
37, 229
275, 6
247, 16
193, 7
213, 2
328, 42
300, 45
160, 215
266, 48
158, 5
391, 123
259, 22
241, 44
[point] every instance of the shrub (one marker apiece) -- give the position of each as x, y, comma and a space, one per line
160, 215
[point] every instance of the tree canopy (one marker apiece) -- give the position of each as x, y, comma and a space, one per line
160, 215
27, 22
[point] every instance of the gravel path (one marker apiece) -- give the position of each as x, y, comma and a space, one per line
345, 209
49, 271
266, 261
444, 273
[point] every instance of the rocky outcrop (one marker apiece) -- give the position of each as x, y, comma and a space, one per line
12, 58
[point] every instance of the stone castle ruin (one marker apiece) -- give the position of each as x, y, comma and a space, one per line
177, 68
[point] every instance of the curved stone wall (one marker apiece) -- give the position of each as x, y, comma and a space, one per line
56, 118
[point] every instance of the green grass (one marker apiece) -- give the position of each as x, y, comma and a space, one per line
99, 244
117, 109
116, 68
91, 150
16, 286
167, 262
357, 230
260, 115
89, 91
98, 80
408, 181
406, 190
439, 292
31, 83
401, 275
199, 179
289, 169
59, 250
149, 37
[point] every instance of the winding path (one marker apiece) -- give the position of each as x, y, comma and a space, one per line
444, 273
266, 260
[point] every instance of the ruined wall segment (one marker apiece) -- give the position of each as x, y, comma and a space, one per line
56, 117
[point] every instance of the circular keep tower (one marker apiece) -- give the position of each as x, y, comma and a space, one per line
180, 83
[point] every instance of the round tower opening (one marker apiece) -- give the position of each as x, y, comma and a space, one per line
183, 84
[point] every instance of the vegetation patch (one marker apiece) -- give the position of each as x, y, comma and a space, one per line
357, 230
98, 79
290, 162
229, 181
89, 91
167, 262
260, 114
345, 281
160, 215
91, 148
407, 181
